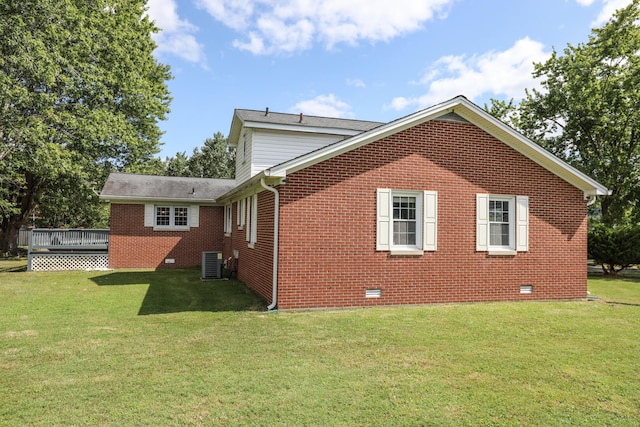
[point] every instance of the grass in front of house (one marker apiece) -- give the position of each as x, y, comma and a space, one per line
164, 348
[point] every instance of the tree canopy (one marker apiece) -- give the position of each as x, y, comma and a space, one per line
588, 110
213, 160
80, 95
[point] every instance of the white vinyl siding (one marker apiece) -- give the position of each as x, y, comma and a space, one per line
243, 156
502, 223
270, 148
406, 221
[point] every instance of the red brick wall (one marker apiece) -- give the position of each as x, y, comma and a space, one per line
255, 265
328, 254
132, 245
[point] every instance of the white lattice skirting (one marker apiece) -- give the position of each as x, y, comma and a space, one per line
60, 262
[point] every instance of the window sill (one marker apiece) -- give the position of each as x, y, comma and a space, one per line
251, 245
502, 253
171, 228
241, 227
227, 234
406, 252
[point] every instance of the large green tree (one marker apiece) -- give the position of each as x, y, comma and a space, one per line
80, 95
213, 160
588, 110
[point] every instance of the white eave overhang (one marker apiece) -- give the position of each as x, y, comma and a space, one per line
472, 113
248, 187
173, 201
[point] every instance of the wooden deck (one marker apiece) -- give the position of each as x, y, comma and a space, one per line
68, 249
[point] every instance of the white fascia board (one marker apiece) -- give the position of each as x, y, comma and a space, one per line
143, 200
249, 187
362, 139
469, 111
307, 129
530, 149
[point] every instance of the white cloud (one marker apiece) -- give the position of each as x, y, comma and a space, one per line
323, 105
356, 83
285, 26
175, 36
506, 74
609, 8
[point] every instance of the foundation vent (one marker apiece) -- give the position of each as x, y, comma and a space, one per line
373, 293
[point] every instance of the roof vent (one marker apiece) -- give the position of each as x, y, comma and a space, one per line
266, 111
301, 117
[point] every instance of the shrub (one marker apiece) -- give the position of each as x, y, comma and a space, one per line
614, 247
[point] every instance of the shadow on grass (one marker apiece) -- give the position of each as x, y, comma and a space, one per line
13, 265
182, 290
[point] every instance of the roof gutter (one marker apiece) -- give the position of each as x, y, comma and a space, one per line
276, 230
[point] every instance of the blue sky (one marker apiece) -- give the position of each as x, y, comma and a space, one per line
362, 59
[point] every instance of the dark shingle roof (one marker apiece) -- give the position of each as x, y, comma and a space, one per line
126, 186
307, 121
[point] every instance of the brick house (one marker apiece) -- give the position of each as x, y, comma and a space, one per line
444, 205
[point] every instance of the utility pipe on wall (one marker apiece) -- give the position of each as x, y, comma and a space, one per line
276, 228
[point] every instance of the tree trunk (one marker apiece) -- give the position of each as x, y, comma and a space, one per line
25, 202
9, 239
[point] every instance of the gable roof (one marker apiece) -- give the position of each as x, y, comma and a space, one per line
295, 122
462, 107
128, 187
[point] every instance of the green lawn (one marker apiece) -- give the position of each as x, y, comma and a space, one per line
163, 348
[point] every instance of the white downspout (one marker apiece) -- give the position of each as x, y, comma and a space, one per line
276, 227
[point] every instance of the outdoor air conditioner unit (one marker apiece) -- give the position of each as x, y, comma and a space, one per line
211, 265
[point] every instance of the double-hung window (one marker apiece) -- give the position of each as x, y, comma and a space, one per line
252, 220
171, 216
406, 212
502, 223
406, 221
228, 214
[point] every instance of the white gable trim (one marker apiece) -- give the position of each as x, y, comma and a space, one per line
472, 113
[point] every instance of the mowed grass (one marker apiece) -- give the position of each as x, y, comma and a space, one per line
163, 348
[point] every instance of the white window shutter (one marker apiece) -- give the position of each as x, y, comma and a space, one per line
254, 218
194, 216
248, 221
430, 238
383, 219
482, 222
522, 223
149, 215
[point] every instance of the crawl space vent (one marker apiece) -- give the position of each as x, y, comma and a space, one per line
526, 289
373, 293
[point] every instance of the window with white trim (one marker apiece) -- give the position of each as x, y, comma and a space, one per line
228, 213
406, 221
241, 215
253, 238
171, 216
502, 223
